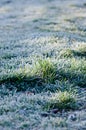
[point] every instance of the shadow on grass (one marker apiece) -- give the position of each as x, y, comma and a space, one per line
34, 83
74, 78
81, 54
44, 72
68, 53
21, 82
61, 100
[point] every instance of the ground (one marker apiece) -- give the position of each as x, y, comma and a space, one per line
42, 53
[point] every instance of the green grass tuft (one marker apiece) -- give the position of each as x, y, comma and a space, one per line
66, 53
46, 70
78, 52
81, 51
62, 101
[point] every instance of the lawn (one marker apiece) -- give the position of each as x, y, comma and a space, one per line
42, 65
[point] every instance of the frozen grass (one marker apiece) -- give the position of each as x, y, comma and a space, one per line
41, 71
74, 70
45, 94
8, 56
62, 100
68, 53
44, 71
20, 79
23, 110
79, 51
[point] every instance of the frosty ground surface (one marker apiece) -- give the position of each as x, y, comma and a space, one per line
33, 29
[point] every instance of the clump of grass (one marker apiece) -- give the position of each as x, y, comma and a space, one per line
74, 70
66, 100
46, 70
78, 72
19, 79
78, 65
66, 53
81, 51
62, 101
16, 75
30, 76
69, 20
